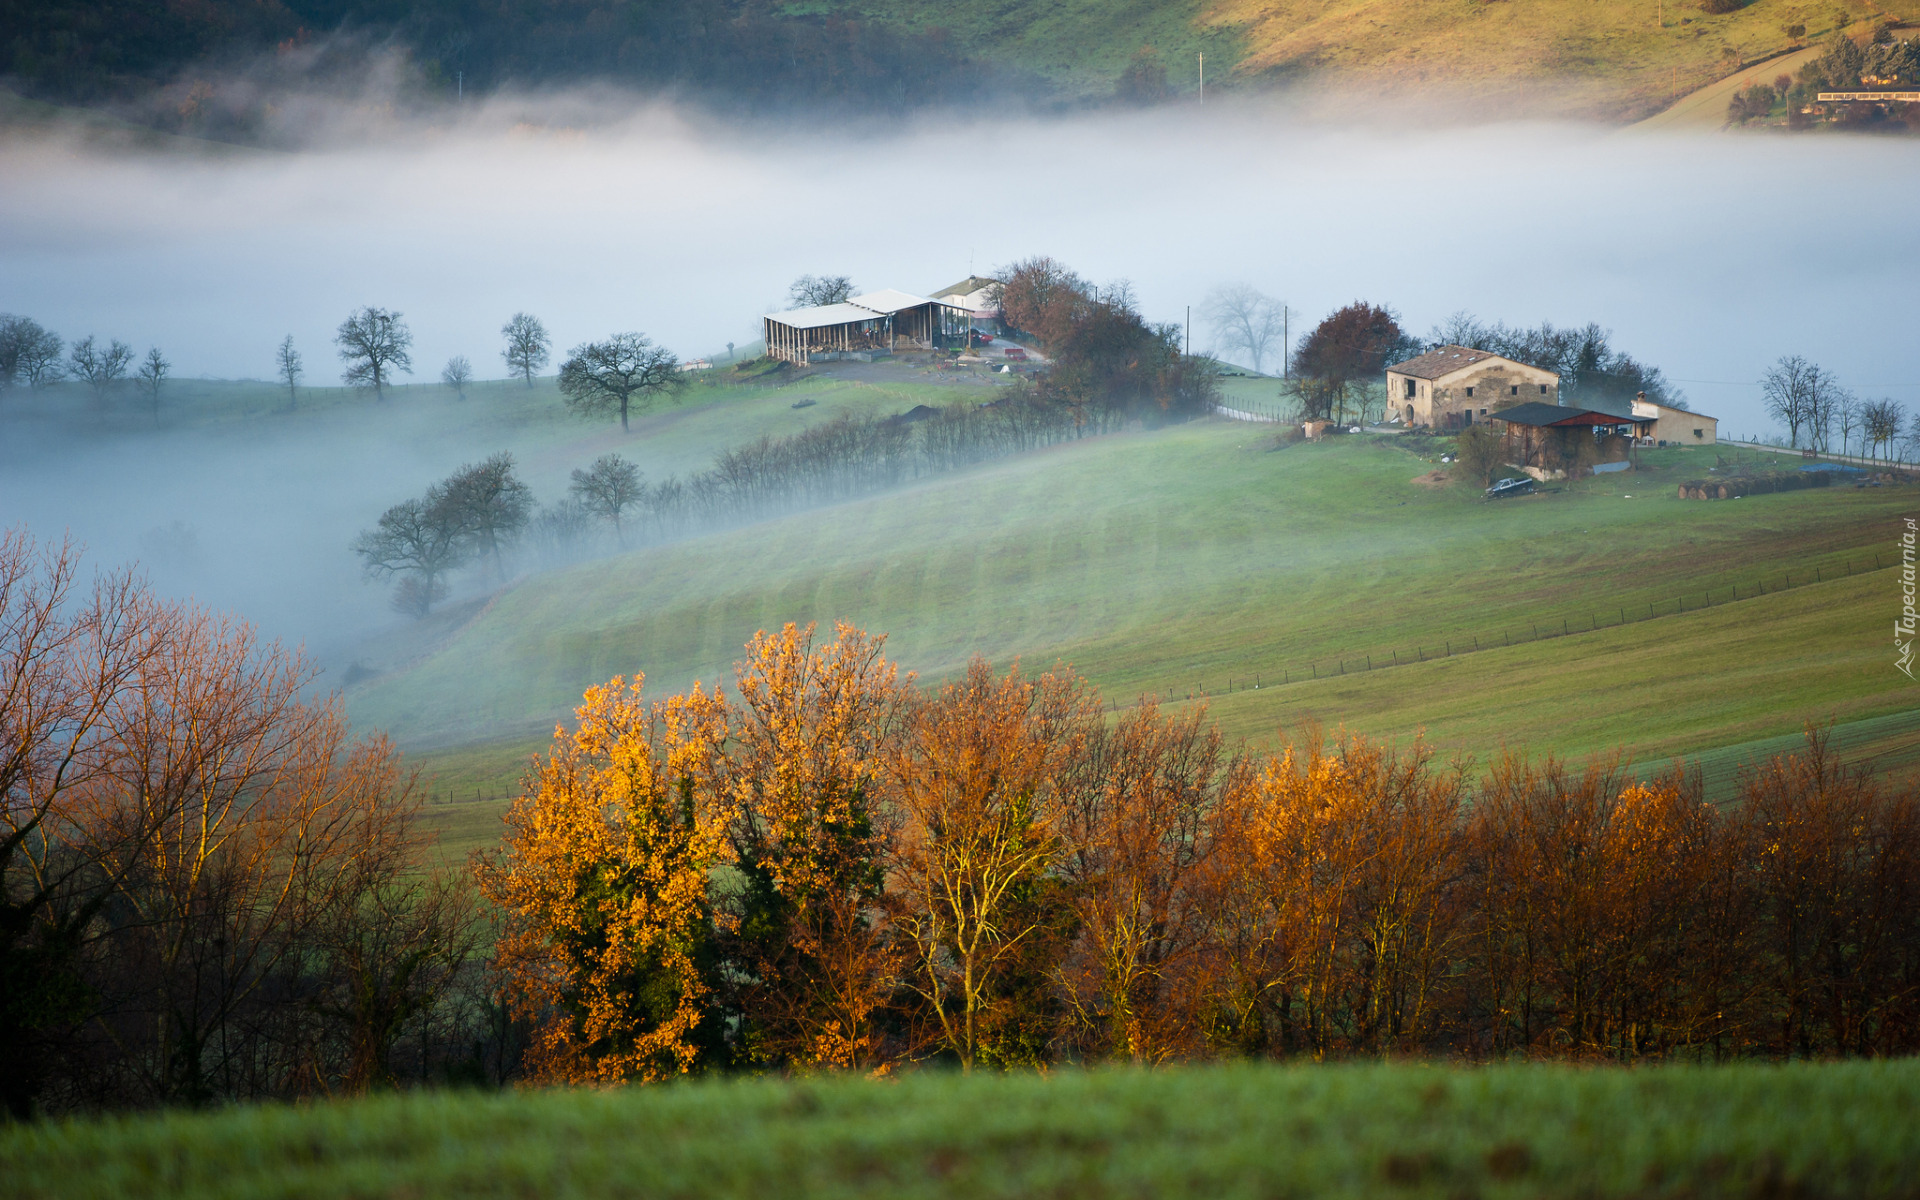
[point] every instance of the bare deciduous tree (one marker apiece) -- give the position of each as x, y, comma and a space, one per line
1881, 422
527, 345
100, 368
29, 354
153, 372
286, 361
1245, 319
627, 370
457, 374
811, 290
608, 489
1846, 414
1791, 389
374, 343
490, 507
418, 542
64, 656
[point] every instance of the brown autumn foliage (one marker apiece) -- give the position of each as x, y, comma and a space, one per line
999, 873
192, 848
809, 836
210, 891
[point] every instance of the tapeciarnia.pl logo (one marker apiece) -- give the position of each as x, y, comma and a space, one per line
1903, 628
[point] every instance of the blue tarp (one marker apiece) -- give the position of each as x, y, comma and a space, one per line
1833, 467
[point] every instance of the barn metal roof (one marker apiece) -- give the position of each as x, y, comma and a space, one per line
824, 314
890, 300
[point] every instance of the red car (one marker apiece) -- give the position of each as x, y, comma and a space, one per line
1016, 353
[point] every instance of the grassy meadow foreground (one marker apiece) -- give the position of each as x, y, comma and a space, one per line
1839, 1130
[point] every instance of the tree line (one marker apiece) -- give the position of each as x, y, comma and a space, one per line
841, 869
35, 357
210, 889
213, 891
483, 514
218, 66
1814, 407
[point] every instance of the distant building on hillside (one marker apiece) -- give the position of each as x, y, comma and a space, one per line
976, 294
862, 326
1676, 426
1547, 440
1450, 387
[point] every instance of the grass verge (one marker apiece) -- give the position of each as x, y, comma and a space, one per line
1236, 1131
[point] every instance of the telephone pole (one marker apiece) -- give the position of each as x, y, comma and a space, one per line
1203, 77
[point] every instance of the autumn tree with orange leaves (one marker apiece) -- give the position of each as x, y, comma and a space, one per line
810, 837
976, 779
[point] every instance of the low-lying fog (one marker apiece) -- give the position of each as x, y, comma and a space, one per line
1708, 256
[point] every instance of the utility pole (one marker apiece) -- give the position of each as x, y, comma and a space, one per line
459, 85
1286, 343
1203, 77
1189, 331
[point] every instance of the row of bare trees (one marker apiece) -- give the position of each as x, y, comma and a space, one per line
209, 888
1813, 406
842, 870
843, 458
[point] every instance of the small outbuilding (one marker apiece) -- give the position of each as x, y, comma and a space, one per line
1451, 387
1542, 439
1676, 426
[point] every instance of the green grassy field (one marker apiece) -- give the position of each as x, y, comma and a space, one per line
1831, 1130
1195, 563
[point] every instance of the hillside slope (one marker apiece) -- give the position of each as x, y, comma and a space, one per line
1196, 562
1553, 57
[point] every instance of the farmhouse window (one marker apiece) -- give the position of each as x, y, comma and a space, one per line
1409, 393
1543, 389
1469, 393
1514, 391
1697, 433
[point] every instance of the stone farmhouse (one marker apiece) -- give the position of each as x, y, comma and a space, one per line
1450, 387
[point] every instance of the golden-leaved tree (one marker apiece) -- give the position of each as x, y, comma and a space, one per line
605, 877
809, 840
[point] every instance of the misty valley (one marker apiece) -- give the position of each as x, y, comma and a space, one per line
1099, 644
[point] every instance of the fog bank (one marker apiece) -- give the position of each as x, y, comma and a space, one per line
1709, 257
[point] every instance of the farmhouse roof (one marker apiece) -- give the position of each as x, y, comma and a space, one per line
1441, 360
966, 287
890, 300
824, 314
1535, 413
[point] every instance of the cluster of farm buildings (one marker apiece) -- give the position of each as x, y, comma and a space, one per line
878, 322
1453, 387
1446, 388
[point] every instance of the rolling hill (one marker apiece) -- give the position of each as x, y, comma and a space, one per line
1311, 583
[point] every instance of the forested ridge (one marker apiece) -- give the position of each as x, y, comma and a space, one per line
94, 51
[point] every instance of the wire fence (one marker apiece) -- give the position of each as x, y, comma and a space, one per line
1534, 631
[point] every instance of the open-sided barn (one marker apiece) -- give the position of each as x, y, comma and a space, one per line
861, 325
